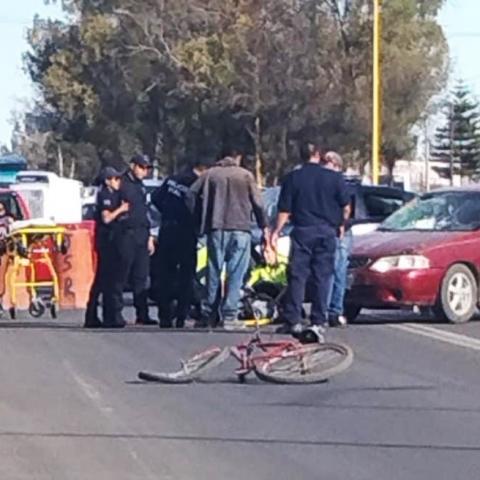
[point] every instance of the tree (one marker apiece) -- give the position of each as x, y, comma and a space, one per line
457, 142
185, 78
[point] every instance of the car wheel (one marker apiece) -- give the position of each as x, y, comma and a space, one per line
352, 312
458, 295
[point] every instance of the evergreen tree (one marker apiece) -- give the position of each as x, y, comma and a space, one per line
457, 142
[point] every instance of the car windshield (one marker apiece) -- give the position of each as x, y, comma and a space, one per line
443, 211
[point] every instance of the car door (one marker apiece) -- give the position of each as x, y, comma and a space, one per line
374, 204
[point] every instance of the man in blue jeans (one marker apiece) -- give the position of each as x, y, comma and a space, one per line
344, 243
228, 197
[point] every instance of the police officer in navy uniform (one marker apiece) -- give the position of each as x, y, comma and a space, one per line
177, 245
110, 209
134, 244
313, 198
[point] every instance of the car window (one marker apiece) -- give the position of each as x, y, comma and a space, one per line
381, 205
12, 205
447, 211
35, 201
89, 211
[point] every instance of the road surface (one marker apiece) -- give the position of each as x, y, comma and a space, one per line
71, 408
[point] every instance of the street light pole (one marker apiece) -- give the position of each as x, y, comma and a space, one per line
377, 91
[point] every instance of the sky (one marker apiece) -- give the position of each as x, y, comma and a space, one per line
15, 18
459, 18
460, 21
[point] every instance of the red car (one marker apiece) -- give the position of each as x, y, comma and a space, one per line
427, 254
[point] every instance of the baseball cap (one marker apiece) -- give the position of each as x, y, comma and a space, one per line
141, 160
110, 172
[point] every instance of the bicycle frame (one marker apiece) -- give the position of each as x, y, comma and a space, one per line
244, 353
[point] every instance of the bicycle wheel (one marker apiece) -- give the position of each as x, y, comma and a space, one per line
192, 369
307, 364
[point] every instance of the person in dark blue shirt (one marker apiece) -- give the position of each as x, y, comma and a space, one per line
134, 244
313, 199
110, 209
176, 256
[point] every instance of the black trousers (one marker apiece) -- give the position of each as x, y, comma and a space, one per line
131, 262
312, 257
177, 261
103, 276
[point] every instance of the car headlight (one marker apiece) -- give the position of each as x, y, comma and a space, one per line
400, 262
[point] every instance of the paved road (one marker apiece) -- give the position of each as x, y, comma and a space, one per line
71, 408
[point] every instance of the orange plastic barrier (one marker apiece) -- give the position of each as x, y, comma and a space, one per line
76, 270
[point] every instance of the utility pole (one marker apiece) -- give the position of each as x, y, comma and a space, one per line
452, 144
377, 91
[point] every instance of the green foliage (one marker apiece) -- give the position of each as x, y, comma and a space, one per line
185, 78
457, 142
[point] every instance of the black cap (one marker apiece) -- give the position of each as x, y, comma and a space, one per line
110, 172
141, 160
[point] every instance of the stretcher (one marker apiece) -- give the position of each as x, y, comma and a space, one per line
30, 251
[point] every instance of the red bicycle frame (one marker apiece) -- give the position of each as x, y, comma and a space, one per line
248, 360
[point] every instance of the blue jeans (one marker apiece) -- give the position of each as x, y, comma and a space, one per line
338, 283
232, 249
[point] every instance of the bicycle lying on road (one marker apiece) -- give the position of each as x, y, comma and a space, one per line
276, 361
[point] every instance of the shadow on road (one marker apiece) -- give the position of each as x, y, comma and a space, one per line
334, 406
250, 382
40, 325
131, 328
242, 440
394, 318
383, 317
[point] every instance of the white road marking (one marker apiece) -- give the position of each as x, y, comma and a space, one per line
97, 399
89, 390
440, 335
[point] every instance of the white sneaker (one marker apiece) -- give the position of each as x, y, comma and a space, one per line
336, 320
342, 321
314, 334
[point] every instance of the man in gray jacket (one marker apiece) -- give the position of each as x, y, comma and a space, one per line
228, 197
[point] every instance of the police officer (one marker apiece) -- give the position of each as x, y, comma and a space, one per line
109, 209
134, 244
177, 245
313, 199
